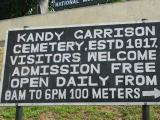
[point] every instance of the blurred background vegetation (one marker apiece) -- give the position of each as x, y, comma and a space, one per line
80, 113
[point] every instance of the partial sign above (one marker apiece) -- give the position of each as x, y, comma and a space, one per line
97, 64
67, 4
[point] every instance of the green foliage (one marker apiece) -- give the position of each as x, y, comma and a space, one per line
7, 113
131, 112
109, 115
81, 113
155, 112
17, 8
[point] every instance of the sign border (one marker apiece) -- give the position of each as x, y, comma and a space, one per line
80, 103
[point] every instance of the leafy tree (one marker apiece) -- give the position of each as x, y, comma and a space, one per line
17, 8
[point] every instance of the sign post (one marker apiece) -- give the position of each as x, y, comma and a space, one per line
116, 64
19, 113
145, 112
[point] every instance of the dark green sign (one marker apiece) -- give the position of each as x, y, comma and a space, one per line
68, 4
